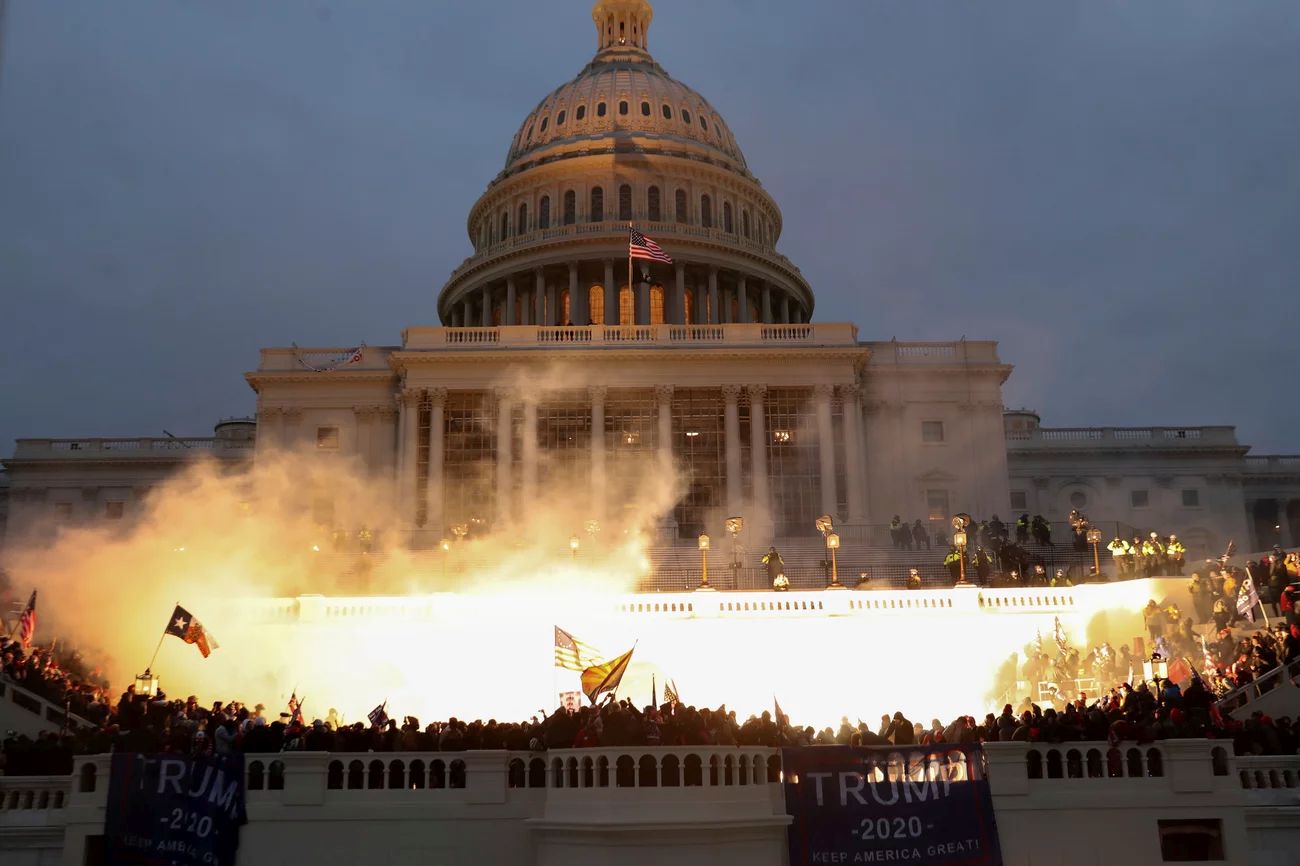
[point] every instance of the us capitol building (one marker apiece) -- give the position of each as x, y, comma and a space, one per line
551, 367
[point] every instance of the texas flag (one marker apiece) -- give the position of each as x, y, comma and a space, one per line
184, 626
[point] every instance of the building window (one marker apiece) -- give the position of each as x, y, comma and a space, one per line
625, 202
570, 208
931, 431
581, 113
653, 211
792, 459
559, 119
704, 123
626, 306
1019, 500
1191, 499
698, 447
114, 510
656, 305
544, 213
1078, 499
1139, 498
505, 225
596, 304
327, 438
706, 212
668, 113
686, 117
597, 211
744, 222
680, 203
545, 120
600, 109
728, 225
936, 504
1190, 840
521, 224
622, 107
645, 109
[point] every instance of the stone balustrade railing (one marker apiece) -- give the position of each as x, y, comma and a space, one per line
129, 449
616, 336
1121, 437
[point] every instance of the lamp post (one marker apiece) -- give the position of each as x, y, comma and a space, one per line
734, 526
1156, 668
1094, 538
959, 540
825, 526
833, 543
704, 561
573, 546
146, 684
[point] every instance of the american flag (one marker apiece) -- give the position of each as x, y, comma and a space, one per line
641, 247
571, 652
27, 622
378, 716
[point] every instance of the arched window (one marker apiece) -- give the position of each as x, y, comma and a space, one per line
668, 113
505, 225
544, 213
744, 222
600, 109
656, 305
626, 306
545, 120
689, 312
559, 118
728, 225
645, 109
706, 211
492, 232
570, 208
704, 123
596, 213
625, 202
686, 118
581, 113
596, 304
521, 224
622, 106
528, 136
653, 211
680, 204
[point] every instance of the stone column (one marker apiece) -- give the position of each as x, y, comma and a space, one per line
679, 296
742, 300
409, 409
528, 451
826, 445
578, 314
505, 409
539, 296
512, 299
466, 312
785, 309
765, 312
487, 308
758, 448
433, 481
611, 296
731, 432
641, 296
715, 309
854, 458
597, 395
664, 399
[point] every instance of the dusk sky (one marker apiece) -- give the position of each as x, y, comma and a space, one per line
1109, 189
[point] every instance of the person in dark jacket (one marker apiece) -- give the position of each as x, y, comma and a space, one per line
901, 732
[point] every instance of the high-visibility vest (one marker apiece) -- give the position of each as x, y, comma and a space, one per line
1176, 549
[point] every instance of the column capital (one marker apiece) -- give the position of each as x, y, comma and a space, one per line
597, 392
824, 390
506, 394
408, 397
756, 392
663, 394
437, 396
731, 393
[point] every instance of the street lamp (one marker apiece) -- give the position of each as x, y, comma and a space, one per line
833, 543
1094, 538
959, 539
146, 684
825, 526
1156, 668
733, 527
573, 545
704, 561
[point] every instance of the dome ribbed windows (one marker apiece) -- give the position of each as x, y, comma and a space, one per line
625, 202
686, 118
653, 211
544, 213
596, 213
600, 109
581, 113
570, 208
680, 206
622, 107
645, 109
559, 118
706, 211
668, 112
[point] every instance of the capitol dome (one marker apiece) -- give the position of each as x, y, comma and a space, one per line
623, 143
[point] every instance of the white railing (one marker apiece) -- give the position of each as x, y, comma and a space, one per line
125, 448
523, 336
1124, 436
1273, 463
1273, 779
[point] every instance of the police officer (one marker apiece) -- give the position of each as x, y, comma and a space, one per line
952, 562
1153, 551
1022, 529
1175, 551
1122, 555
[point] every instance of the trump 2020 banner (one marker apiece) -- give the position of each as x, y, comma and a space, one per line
168, 809
920, 805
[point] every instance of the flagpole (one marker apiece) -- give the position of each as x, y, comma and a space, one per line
631, 288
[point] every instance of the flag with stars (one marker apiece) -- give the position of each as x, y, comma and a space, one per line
641, 247
186, 627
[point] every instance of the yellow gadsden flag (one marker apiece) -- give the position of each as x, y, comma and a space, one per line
605, 677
